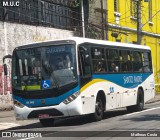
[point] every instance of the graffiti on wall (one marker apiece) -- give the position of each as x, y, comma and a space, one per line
5, 89
5, 82
37, 38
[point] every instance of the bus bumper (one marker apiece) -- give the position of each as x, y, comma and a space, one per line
61, 110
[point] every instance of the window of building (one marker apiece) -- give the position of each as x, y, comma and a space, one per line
134, 8
116, 5
116, 11
150, 10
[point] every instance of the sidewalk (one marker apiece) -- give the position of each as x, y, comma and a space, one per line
155, 99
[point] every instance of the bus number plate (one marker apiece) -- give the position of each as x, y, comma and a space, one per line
43, 116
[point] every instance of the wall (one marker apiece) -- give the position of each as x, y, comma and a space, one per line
95, 18
13, 35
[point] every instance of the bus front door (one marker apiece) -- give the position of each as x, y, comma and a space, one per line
85, 77
84, 65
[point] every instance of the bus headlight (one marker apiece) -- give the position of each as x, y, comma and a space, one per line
16, 103
71, 98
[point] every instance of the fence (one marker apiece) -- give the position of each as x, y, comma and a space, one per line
42, 13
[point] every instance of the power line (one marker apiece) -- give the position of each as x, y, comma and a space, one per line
152, 17
147, 20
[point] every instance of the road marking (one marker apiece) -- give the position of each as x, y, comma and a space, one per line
7, 125
142, 111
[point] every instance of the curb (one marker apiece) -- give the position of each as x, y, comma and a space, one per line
155, 99
6, 109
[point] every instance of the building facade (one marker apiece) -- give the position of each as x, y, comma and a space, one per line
122, 25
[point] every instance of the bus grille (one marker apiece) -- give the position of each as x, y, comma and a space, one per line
50, 112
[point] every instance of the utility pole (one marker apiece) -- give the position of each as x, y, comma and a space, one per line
102, 19
82, 11
139, 24
106, 20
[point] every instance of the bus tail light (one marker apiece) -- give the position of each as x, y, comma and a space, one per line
71, 98
17, 103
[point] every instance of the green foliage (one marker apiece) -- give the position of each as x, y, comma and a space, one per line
76, 3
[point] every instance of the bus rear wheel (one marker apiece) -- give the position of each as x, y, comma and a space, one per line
47, 122
99, 110
140, 103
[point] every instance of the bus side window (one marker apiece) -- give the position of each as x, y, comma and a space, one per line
125, 60
98, 59
137, 61
84, 61
147, 66
113, 60
150, 61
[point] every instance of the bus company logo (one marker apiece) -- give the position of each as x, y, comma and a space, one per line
132, 79
111, 89
7, 3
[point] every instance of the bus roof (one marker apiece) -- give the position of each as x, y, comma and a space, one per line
80, 40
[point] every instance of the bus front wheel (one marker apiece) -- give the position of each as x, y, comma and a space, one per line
140, 103
47, 122
99, 110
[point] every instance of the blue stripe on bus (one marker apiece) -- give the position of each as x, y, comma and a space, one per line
48, 101
124, 80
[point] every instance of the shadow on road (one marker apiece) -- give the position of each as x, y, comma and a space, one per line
142, 118
81, 120
73, 121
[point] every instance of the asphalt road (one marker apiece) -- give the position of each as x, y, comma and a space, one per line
118, 124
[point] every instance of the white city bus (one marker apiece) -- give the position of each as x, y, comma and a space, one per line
80, 76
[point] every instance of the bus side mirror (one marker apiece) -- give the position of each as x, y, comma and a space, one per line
5, 69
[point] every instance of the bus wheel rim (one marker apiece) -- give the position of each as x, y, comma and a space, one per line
98, 108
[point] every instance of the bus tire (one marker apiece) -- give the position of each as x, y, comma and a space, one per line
99, 110
140, 102
47, 122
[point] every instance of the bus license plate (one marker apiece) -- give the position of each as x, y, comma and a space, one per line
43, 116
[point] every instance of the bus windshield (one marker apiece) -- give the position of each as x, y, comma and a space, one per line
44, 67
